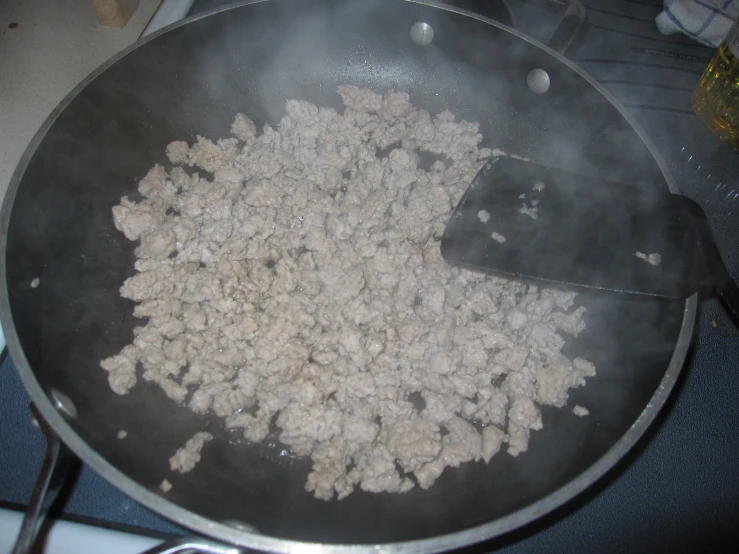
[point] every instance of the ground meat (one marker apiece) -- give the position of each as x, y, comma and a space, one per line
580, 411
492, 439
187, 457
497, 237
651, 259
300, 283
122, 434
243, 128
178, 151
165, 486
122, 370
531, 211
483, 216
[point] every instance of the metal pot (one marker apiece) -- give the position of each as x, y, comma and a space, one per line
191, 79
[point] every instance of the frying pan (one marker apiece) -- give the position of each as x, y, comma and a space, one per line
192, 79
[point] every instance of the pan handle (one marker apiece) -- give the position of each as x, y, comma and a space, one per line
54, 471
568, 26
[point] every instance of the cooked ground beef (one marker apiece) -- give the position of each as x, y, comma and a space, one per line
295, 274
651, 259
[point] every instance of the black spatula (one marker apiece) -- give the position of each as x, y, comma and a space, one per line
527, 220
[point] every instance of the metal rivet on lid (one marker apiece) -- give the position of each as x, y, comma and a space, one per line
538, 81
63, 403
422, 33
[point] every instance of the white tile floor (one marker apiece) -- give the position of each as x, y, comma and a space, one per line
56, 44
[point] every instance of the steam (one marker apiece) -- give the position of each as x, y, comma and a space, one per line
256, 57
270, 52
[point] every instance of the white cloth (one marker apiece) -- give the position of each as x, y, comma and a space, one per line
707, 21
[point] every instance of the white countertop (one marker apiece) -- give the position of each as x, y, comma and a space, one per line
46, 48
55, 45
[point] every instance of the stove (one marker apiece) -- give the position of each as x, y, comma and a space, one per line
677, 491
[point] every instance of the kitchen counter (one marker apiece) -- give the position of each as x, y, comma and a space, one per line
53, 46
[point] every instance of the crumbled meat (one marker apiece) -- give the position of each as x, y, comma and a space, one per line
531, 211
580, 411
497, 237
296, 281
165, 486
178, 152
518, 439
651, 259
483, 216
243, 128
122, 434
187, 457
121, 370
492, 439
539, 186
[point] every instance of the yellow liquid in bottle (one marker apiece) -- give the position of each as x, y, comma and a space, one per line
716, 98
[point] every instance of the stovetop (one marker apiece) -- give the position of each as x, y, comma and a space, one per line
677, 491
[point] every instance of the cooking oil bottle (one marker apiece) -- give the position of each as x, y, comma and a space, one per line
716, 98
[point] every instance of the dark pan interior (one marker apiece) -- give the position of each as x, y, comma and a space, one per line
193, 80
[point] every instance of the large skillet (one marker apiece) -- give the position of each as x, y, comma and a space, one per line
192, 79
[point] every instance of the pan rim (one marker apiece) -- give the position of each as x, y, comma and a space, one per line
225, 533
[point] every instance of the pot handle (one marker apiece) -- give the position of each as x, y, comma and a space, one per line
568, 26
57, 462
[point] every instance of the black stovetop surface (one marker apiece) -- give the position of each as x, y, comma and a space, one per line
678, 490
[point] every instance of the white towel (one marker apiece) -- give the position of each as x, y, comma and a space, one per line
707, 21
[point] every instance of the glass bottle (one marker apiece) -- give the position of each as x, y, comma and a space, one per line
716, 98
